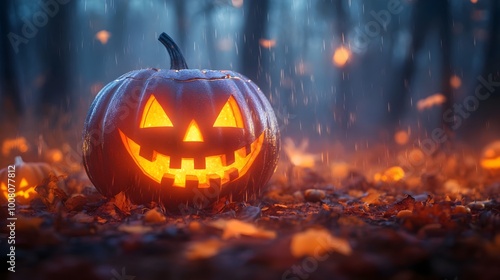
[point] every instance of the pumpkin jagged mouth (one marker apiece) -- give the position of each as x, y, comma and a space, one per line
215, 172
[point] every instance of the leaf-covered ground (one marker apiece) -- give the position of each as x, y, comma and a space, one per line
305, 226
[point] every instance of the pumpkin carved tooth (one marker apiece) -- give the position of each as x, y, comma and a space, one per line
148, 154
214, 181
200, 163
231, 174
228, 159
192, 181
167, 180
175, 162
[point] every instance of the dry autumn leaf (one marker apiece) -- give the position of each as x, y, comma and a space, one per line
135, 229
314, 242
235, 228
203, 249
122, 203
154, 216
83, 218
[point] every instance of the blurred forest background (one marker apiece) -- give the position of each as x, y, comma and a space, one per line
352, 72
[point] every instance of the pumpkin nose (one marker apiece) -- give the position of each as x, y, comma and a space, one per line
193, 133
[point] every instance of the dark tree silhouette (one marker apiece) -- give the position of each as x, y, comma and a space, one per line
254, 29
427, 15
54, 44
10, 97
492, 54
182, 23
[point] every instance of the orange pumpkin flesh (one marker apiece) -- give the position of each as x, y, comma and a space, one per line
161, 135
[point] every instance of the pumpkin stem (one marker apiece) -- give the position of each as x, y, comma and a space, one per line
177, 61
18, 161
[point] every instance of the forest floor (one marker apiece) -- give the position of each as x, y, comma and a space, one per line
306, 226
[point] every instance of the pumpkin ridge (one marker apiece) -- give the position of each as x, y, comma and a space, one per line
184, 80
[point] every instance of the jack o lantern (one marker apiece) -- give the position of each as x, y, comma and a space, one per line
169, 135
28, 176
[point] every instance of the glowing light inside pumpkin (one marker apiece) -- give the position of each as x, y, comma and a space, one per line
193, 133
230, 115
154, 115
214, 172
23, 192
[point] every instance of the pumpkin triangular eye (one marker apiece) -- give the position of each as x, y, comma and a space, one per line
24, 183
230, 115
154, 115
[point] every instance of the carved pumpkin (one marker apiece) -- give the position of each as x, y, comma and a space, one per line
27, 176
180, 135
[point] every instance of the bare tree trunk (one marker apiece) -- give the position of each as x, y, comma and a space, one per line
254, 29
10, 94
444, 22
182, 23
209, 29
426, 15
54, 42
399, 96
342, 107
492, 53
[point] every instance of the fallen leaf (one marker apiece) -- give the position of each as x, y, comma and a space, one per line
314, 242
298, 155
49, 191
235, 228
122, 203
249, 213
135, 229
82, 218
75, 203
407, 203
373, 197
154, 216
203, 249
